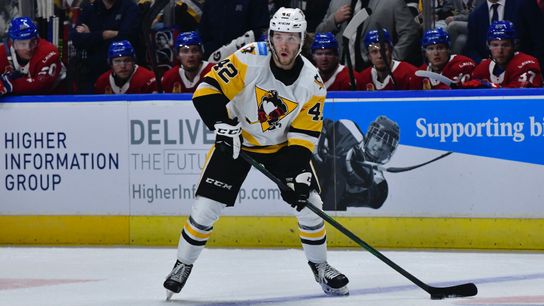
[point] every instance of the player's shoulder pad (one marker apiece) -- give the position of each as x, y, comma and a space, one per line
484, 62
458, 58
461, 61
525, 61
252, 54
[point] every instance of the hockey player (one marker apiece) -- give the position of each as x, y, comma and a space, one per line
437, 51
325, 56
275, 79
125, 76
506, 68
191, 71
386, 73
343, 147
29, 64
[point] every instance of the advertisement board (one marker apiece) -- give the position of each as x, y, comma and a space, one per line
106, 155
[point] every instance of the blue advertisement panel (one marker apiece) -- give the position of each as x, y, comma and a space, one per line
440, 153
507, 127
472, 153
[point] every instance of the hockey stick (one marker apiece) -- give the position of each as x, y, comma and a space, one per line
8, 52
345, 42
154, 10
437, 293
404, 169
349, 32
437, 77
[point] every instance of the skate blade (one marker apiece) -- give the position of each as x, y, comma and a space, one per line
169, 294
342, 291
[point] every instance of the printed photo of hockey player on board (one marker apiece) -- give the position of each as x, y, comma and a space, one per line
350, 165
344, 147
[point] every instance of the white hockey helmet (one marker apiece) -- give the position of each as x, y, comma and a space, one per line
290, 20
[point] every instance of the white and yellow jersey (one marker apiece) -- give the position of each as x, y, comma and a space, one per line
272, 114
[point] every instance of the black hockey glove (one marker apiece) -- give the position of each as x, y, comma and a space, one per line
359, 173
300, 185
228, 137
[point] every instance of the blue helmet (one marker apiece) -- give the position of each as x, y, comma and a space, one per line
119, 49
188, 39
501, 30
22, 28
435, 37
325, 41
373, 37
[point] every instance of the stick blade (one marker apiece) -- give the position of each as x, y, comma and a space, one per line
463, 290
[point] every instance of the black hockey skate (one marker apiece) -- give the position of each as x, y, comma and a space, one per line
332, 281
177, 278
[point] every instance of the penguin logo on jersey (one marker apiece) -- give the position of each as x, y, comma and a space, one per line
271, 109
249, 49
318, 81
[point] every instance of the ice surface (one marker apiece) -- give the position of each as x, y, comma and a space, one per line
134, 276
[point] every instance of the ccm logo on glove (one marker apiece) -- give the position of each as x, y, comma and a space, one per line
228, 132
228, 137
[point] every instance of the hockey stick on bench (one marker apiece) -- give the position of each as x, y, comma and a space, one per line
437, 77
437, 293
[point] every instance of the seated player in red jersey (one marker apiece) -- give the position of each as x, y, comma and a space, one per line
437, 50
29, 65
325, 56
191, 71
506, 67
125, 76
385, 72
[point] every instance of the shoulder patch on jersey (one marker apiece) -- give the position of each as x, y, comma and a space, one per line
248, 49
318, 81
262, 47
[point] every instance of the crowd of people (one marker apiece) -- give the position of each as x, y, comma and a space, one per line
473, 45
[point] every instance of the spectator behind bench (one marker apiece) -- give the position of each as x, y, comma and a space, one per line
392, 15
225, 20
457, 22
101, 22
29, 64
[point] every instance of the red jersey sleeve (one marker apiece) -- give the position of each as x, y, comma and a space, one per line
169, 78
481, 72
364, 80
102, 84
